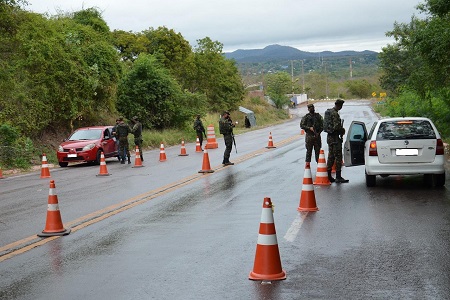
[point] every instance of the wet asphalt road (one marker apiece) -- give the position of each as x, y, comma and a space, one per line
167, 232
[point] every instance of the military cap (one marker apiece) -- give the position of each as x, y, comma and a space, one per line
339, 102
135, 118
226, 112
310, 105
120, 118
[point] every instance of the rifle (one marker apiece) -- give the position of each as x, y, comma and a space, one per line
234, 142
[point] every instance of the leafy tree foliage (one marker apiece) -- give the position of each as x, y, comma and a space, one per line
359, 88
150, 92
171, 49
129, 44
278, 86
215, 76
417, 67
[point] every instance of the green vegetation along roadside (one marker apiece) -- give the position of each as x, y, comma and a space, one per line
265, 113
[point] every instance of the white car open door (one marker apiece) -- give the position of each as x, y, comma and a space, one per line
354, 144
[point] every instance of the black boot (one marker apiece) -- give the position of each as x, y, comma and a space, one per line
129, 160
330, 178
339, 178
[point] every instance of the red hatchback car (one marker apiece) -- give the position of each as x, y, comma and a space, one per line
86, 144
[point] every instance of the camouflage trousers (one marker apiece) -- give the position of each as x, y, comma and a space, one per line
334, 153
312, 141
124, 149
228, 138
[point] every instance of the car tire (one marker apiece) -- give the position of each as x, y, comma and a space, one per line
97, 160
439, 179
371, 180
63, 164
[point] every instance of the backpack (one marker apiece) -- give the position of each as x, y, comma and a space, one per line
327, 125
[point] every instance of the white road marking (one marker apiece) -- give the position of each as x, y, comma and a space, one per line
292, 232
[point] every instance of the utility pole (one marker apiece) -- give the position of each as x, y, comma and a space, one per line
303, 79
351, 71
292, 78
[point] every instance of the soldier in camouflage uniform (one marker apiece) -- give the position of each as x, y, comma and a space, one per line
137, 132
334, 141
200, 130
226, 128
312, 124
122, 131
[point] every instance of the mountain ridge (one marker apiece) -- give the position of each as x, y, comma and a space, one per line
277, 52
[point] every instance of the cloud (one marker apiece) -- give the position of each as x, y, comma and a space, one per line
250, 24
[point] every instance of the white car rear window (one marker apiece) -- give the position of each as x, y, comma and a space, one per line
405, 129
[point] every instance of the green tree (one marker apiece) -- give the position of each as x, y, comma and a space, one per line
278, 86
129, 44
215, 76
172, 50
150, 92
359, 88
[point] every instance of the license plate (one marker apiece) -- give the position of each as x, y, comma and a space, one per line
405, 152
71, 155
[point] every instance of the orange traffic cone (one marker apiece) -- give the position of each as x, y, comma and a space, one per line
211, 138
137, 159
183, 149
302, 132
1, 173
321, 174
103, 169
267, 264
270, 145
206, 167
162, 153
45, 171
53, 225
307, 198
198, 148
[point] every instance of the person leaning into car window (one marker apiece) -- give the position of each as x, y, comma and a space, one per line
121, 133
334, 141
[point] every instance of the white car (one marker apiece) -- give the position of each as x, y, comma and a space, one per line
397, 146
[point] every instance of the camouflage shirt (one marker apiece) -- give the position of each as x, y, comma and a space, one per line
335, 122
225, 126
314, 120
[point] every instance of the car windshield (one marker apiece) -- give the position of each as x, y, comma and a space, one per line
88, 134
405, 129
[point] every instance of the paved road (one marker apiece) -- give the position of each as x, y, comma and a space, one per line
167, 232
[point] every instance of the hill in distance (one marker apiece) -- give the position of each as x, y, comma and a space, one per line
275, 52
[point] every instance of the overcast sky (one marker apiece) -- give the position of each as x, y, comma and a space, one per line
309, 25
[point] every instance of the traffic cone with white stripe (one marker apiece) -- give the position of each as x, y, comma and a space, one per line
211, 138
307, 198
45, 171
183, 149
162, 153
198, 148
206, 167
267, 265
103, 169
137, 159
270, 144
53, 224
321, 174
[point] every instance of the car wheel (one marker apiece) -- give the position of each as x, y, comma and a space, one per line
63, 164
371, 180
439, 179
97, 160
